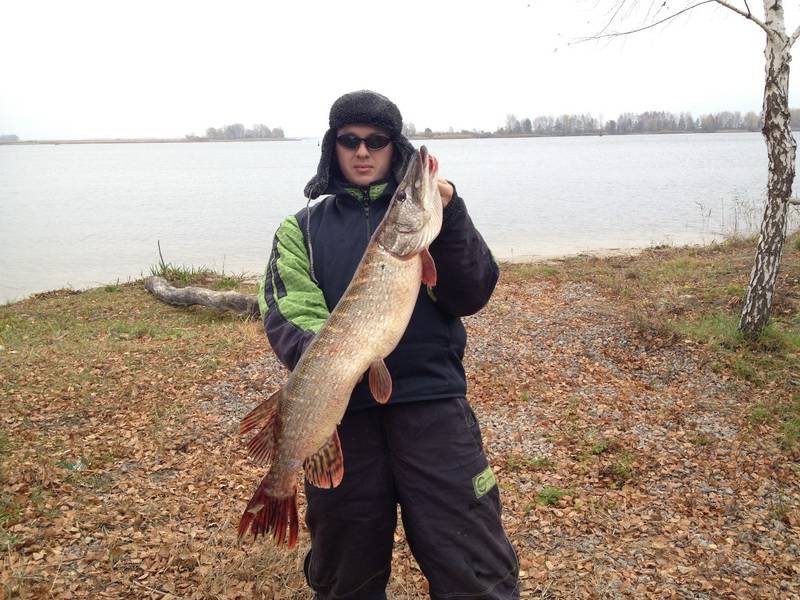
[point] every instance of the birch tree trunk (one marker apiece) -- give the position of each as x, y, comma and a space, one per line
781, 148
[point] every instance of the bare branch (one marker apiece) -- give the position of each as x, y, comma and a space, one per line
746, 15
793, 202
794, 37
613, 17
650, 26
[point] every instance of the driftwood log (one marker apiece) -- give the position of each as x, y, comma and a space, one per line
243, 304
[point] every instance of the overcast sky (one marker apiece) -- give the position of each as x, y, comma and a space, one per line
166, 68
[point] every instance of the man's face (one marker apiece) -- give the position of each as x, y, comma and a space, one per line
362, 166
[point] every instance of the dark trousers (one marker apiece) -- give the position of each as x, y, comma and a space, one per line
428, 457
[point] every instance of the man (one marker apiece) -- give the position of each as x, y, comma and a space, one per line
423, 449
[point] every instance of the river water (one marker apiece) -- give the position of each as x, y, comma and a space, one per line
81, 215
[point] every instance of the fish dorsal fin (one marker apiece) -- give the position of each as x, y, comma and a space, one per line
325, 468
380, 382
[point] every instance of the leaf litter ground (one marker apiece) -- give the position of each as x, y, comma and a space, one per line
634, 461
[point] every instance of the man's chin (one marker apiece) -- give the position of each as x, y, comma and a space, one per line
361, 180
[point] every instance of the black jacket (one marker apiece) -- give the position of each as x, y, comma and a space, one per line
296, 299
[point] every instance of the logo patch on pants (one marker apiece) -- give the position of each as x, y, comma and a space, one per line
483, 482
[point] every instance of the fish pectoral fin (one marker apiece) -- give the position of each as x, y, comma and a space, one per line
325, 468
380, 382
261, 414
428, 268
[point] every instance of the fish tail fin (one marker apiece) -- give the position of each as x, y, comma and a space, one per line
265, 514
262, 414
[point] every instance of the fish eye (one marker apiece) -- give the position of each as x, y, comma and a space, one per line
401, 196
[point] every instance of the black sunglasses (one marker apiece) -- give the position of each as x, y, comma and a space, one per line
374, 141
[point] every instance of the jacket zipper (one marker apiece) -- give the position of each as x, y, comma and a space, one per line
366, 212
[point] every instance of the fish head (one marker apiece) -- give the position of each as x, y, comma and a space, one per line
414, 216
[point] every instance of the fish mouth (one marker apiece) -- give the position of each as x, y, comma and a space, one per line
430, 165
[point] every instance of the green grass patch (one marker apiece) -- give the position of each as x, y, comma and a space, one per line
618, 469
19, 330
10, 510
790, 434
600, 446
716, 328
128, 331
182, 275
744, 369
208, 364
770, 358
516, 463
622, 469
733, 290
722, 329
594, 445
227, 282
113, 288
5, 443
550, 496
760, 414
701, 439
523, 271
541, 462
679, 267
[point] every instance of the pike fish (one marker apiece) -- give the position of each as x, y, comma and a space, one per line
297, 424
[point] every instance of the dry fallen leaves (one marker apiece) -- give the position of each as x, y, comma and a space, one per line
627, 466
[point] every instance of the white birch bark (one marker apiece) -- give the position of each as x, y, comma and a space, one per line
781, 148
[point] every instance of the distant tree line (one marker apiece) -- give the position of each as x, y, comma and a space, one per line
626, 123
8, 137
237, 131
645, 122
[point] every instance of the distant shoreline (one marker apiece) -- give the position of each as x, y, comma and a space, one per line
433, 136
141, 141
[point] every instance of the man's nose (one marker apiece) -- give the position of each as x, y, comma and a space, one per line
362, 149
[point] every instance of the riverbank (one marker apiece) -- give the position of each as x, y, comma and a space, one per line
642, 448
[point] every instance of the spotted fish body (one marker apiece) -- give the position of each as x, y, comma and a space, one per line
298, 423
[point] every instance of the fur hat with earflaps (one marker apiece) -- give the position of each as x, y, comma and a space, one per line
360, 108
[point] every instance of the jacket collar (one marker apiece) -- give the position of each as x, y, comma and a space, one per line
365, 195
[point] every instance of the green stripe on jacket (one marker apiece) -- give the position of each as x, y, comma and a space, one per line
303, 304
